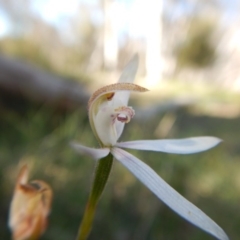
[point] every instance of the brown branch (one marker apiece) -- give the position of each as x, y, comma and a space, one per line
21, 79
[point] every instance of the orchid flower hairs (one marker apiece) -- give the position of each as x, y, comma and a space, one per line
108, 112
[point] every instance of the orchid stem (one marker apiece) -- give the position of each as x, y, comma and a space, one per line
101, 176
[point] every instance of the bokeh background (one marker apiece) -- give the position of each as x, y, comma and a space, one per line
55, 53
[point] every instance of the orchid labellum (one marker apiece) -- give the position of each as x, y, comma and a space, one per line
108, 113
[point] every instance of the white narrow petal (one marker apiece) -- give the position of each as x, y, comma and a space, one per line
92, 152
178, 146
167, 194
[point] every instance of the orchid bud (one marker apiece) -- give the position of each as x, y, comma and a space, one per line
30, 207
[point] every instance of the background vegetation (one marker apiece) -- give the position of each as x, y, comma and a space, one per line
39, 133
40, 136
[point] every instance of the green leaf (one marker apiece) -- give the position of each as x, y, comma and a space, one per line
100, 179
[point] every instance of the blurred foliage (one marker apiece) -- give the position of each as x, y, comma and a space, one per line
68, 61
198, 49
43, 45
25, 49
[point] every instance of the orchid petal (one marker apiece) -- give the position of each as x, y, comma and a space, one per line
178, 146
95, 153
167, 194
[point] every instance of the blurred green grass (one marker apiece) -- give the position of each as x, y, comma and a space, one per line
40, 136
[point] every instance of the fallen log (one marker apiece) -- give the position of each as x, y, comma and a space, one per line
21, 80
24, 80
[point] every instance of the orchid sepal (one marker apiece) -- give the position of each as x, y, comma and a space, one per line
95, 153
167, 194
176, 146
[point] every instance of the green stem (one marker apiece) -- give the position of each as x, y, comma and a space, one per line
101, 176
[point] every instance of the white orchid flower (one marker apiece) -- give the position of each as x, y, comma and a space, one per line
108, 112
